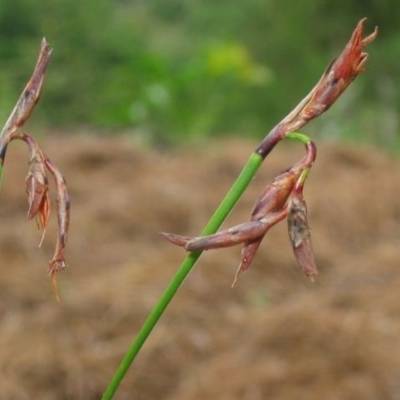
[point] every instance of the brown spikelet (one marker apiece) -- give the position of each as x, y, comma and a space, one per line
36, 185
58, 262
300, 234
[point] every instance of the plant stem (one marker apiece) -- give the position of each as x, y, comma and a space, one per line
226, 206
298, 136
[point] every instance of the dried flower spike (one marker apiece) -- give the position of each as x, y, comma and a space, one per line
36, 182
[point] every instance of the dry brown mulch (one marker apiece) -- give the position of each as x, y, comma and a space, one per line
274, 336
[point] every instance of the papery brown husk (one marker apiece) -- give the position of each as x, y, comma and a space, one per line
300, 235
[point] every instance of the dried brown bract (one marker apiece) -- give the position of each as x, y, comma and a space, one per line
63, 213
300, 233
36, 182
37, 186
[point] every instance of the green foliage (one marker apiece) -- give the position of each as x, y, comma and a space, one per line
178, 69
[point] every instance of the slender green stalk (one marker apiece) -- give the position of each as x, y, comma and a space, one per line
222, 212
301, 137
226, 206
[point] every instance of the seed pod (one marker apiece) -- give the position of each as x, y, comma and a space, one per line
299, 234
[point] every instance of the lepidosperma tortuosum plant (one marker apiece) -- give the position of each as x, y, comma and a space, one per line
281, 199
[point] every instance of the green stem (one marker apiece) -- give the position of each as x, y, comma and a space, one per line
298, 136
226, 206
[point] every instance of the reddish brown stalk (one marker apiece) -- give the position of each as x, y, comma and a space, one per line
337, 77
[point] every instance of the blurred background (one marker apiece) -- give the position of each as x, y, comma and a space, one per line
186, 69
150, 109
